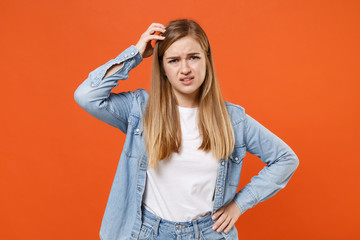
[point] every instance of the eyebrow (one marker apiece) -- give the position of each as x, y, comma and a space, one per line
189, 54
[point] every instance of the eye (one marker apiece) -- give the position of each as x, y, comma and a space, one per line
194, 57
173, 61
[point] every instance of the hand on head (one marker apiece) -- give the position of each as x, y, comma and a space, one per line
144, 44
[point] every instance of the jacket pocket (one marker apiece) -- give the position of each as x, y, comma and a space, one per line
235, 165
238, 154
134, 144
135, 123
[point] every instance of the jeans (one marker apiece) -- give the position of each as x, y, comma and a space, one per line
156, 228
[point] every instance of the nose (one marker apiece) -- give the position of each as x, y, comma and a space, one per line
185, 68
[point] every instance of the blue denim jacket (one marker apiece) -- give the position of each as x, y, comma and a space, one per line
122, 217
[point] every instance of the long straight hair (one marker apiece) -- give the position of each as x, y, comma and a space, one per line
161, 121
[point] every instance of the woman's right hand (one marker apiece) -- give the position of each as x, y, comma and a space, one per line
144, 43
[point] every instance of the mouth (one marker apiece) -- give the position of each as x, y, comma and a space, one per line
186, 79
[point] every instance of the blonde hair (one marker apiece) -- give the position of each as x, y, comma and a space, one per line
161, 120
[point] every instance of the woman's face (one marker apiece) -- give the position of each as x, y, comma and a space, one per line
185, 67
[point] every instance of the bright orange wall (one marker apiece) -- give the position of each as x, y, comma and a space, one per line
293, 65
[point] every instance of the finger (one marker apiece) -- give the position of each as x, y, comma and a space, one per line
229, 226
220, 220
155, 29
154, 37
224, 224
217, 213
159, 25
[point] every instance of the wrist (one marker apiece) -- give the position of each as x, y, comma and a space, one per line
139, 48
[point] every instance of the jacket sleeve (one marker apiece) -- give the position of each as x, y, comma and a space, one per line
94, 95
280, 159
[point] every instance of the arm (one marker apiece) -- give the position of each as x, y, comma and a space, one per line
94, 94
281, 164
280, 159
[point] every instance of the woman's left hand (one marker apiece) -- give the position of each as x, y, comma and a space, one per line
226, 217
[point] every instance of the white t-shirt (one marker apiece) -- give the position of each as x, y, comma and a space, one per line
182, 186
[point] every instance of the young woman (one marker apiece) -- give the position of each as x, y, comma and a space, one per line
181, 162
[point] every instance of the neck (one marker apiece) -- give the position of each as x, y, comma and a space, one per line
187, 101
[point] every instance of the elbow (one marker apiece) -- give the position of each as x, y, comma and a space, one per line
297, 162
87, 99
79, 97
294, 160
289, 160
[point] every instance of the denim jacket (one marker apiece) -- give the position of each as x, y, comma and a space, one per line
125, 110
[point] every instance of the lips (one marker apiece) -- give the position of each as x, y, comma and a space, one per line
184, 79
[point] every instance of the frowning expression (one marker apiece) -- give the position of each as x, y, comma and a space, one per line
185, 67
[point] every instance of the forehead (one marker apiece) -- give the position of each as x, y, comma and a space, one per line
183, 46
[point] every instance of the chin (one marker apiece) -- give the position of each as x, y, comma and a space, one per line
189, 91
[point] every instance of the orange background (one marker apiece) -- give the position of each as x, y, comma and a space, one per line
293, 65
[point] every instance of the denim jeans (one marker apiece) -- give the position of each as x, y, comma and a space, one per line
155, 228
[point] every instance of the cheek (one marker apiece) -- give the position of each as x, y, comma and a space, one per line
202, 69
164, 68
168, 70
170, 74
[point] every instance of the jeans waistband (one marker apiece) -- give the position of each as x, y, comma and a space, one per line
176, 227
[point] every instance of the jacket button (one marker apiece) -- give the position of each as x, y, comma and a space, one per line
222, 163
142, 165
137, 130
139, 189
132, 53
133, 235
236, 158
125, 55
220, 189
